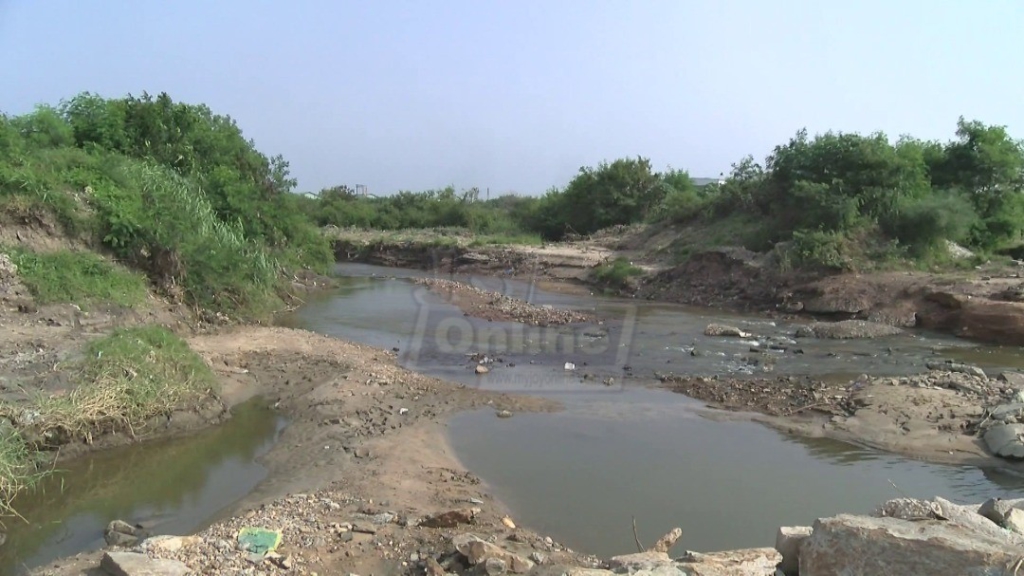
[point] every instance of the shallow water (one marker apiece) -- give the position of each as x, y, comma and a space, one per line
621, 450
171, 487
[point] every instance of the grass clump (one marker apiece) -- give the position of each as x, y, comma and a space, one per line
77, 277
17, 468
617, 273
128, 377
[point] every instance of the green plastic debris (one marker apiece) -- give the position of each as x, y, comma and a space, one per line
259, 540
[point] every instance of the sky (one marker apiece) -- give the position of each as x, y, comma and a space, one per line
517, 96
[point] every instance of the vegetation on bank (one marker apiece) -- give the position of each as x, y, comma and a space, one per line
616, 274
170, 189
835, 200
125, 379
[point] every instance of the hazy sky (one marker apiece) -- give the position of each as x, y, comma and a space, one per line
519, 95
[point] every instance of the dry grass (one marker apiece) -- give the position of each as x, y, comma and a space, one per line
127, 377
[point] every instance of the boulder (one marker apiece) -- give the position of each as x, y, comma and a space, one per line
1014, 380
135, 564
724, 330
478, 551
787, 542
1005, 440
746, 562
751, 562
847, 329
991, 321
121, 533
868, 546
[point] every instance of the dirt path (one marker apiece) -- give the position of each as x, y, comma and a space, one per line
365, 436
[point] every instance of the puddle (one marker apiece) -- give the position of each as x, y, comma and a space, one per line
173, 486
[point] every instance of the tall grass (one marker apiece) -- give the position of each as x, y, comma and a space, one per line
82, 278
164, 223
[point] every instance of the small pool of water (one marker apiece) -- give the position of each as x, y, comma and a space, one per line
173, 486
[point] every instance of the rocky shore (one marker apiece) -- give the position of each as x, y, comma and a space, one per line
489, 305
308, 533
954, 413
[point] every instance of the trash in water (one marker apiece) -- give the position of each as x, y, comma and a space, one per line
570, 366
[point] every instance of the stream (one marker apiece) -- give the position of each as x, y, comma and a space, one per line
625, 450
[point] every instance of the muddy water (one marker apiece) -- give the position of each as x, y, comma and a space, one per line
620, 450
170, 487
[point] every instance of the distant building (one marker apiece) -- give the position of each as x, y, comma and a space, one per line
705, 181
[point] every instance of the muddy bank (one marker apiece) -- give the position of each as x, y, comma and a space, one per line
948, 415
493, 306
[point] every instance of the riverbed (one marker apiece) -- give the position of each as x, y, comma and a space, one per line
620, 450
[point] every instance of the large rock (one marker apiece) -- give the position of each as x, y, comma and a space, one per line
121, 533
135, 564
865, 546
724, 330
847, 329
747, 562
479, 551
787, 542
752, 562
992, 321
1005, 440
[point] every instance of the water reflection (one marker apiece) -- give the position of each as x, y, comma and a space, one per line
174, 485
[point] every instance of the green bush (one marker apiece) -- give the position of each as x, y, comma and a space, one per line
819, 249
616, 274
924, 225
163, 224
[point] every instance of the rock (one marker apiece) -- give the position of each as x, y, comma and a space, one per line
723, 330
666, 542
787, 542
481, 369
1005, 440
958, 367
996, 510
135, 564
494, 566
539, 557
478, 551
121, 533
630, 563
863, 545
168, 544
847, 329
747, 562
451, 518
508, 522
1013, 379
992, 321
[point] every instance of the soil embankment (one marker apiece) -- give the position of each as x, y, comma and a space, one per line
985, 305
